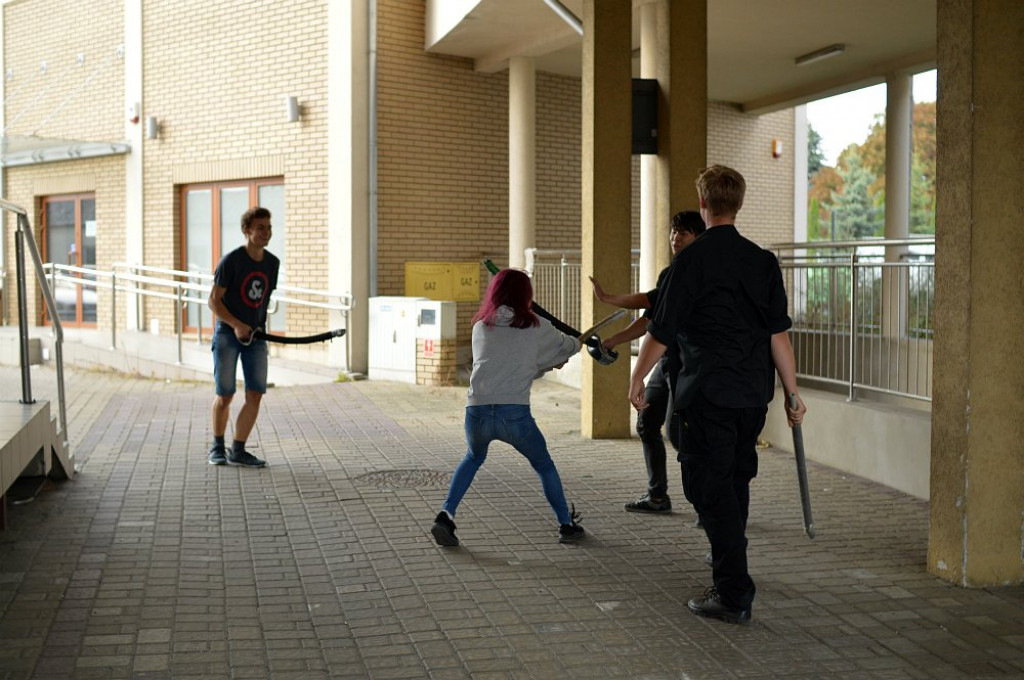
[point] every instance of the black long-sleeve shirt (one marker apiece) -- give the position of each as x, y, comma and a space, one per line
720, 303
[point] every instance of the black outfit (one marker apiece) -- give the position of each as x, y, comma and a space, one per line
650, 421
722, 301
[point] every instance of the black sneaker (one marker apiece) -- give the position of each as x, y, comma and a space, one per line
443, 530
572, 532
244, 459
649, 505
218, 456
710, 605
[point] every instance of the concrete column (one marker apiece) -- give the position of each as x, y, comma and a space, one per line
899, 123
522, 165
977, 470
349, 199
134, 187
652, 227
688, 100
606, 153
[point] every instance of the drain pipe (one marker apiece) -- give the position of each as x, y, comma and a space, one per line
372, 97
567, 16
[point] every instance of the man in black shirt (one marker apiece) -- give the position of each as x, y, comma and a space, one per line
686, 227
723, 308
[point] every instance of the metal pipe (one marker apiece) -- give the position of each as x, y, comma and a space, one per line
113, 311
566, 15
177, 322
853, 326
19, 255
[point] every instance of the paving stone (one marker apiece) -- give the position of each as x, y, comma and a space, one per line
153, 564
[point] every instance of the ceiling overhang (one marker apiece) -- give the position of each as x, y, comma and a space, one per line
752, 46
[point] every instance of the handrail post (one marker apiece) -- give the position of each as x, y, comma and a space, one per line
563, 285
853, 325
199, 313
113, 310
177, 322
26, 373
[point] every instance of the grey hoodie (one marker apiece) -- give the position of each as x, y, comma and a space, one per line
507, 360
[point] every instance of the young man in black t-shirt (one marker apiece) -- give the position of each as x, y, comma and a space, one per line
242, 285
723, 307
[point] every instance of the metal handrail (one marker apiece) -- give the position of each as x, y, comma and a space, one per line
183, 290
895, 348
23, 238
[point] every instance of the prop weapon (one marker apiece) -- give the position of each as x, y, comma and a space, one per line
801, 472
594, 347
611, 318
259, 334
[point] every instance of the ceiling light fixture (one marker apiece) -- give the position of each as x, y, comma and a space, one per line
818, 55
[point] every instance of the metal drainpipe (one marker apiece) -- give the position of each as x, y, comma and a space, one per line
566, 15
372, 97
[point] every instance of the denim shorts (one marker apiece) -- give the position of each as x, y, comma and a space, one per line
226, 351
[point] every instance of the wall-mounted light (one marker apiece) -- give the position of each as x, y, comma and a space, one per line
776, 148
818, 55
153, 128
292, 111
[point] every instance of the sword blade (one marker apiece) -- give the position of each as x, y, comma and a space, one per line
801, 473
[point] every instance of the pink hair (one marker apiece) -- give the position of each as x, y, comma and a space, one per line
511, 288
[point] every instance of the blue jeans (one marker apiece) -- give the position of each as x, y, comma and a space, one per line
514, 425
226, 352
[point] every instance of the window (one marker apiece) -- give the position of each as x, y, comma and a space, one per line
69, 241
211, 228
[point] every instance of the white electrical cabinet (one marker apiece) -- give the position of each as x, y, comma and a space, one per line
393, 331
435, 319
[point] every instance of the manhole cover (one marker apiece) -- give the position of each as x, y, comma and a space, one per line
404, 479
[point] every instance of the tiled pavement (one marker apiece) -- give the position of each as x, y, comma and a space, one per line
153, 564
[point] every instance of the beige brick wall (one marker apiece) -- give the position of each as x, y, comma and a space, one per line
216, 76
744, 142
68, 101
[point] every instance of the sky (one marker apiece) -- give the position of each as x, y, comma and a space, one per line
847, 118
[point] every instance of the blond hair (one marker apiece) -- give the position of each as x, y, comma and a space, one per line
721, 189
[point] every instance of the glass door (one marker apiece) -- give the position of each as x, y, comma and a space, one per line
69, 227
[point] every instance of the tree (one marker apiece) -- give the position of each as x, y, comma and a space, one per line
856, 213
815, 156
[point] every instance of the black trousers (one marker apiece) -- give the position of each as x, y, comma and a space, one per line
719, 458
648, 426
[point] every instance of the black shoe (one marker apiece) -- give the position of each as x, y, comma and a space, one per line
710, 605
244, 459
218, 456
571, 532
443, 530
649, 505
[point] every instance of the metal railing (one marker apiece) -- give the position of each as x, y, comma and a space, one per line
862, 313
861, 310
184, 289
557, 277
23, 239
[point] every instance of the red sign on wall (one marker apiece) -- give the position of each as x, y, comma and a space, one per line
428, 348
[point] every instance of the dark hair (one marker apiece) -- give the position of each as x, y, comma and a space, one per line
722, 190
511, 288
253, 214
688, 220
